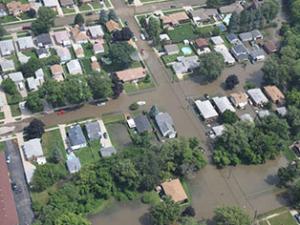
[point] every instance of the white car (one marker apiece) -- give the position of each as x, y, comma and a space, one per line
143, 37
141, 103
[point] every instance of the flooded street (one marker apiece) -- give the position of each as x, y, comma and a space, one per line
250, 187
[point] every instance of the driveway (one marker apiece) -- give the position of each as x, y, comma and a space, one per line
22, 198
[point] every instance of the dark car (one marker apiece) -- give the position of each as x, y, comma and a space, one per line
297, 217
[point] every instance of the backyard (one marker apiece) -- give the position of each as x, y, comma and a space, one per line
51, 141
182, 32
89, 154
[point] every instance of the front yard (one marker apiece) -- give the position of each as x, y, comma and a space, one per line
131, 88
182, 32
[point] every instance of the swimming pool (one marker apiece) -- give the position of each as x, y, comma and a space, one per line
186, 50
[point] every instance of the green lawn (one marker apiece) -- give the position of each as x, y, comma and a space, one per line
84, 7
7, 19
2, 117
86, 64
286, 218
96, 5
30, 53
2, 146
132, 88
88, 50
182, 32
41, 198
15, 110
89, 154
68, 10
52, 140
112, 118
289, 154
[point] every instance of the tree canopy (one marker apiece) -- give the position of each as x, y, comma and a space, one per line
44, 21
231, 215
35, 129
120, 53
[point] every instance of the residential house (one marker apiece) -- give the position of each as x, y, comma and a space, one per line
217, 40
98, 48
165, 125
108, 151
270, 47
223, 50
174, 190
32, 83
95, 66
217, 131
206, 110
73, 163
74, 67
257, 35
25, 43
93, 130
112, 26
33, 151
257, 54
8, 211
240, 52
185, 65
203, 15
257, 96
171, 49
7, 47
16, 8
142, 124
51, 3
3, 10
7, 65
78, 49
57, 72
246, 36
42, 53
202, 46
76, 137
229, 9
79, 35
174, 19
274, 94
232, 38
22, 58
223, 104
62, 37
66, 3
164, 38
132, 74
95, 31
43, 40
18, 78
263, 113
63, 53
239, 100
39, 76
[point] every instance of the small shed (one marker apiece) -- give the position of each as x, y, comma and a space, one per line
73, 163
108, 151
174, 189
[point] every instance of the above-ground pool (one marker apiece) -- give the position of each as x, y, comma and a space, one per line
186, 50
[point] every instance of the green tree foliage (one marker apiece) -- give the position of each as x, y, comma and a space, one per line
2, 31
34, 103
229, 117
234, 23
31, 66
190, 221
45, 20
46, 175
120, 54
211, 66
288, 174
295, 195
270, 9
293, 118
35, 129
165, 213
154, 29
71, 219
9, 86
112, 15
218, 3
103, 17
101, 86
53, 92
79, 20
231, 215
76, 90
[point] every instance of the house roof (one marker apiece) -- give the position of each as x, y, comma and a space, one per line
174, 189
112, 25
131, 74
270, 47
246, 36
95, 66
93, 130
51, 3
39, 74
263, 113
239, 98
25, 42
73, 163
33, 148
282, 111
240, 52
78, 35
232, 38
56, 69
8, 212
223, 104
175, 17
41, 51
64, 3
63, 53
206, 109
223, 50
15, 7
16, 77
274, 93
32, 83
257, 96
257, 53
165, 123
98, 48
61, 36
96, 31
7, 65
217, 40
78, 49
201, 42
142, 123
108, 151
218, 130
234, 7
43, 39
76, 135
256, 34
173, 48
6, 47
204, 14
74, 67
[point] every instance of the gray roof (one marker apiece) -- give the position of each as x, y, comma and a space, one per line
7, 65
257, 96
171, 49
93, 130
232, 38
33, 148
240, 52
39, 74
282, 111
218, 130
217, 40
263, 113
41, 51
247, 117
246, 36
256, 34
25, 42
76, 135
108, 151
256, 53
223, 104
6, 47
51, 3
142, 123
73, 163
66, 2
185, 64
96, 31
16, 77
43, 39
206, 109
74, 67
32, 83
165, 123
63, 53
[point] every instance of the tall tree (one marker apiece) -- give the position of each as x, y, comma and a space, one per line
35, 129
76, 90
270, 9
53, 92
103, 17
101, 86
34, 103
79, 20
120, 54
45, 20
231, 215
234, 23
9, 86
71, 219
154, 29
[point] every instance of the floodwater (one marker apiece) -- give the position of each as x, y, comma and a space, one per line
250, 187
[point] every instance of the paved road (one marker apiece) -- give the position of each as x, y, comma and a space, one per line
16, 171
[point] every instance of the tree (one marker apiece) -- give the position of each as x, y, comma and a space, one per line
56, 156
103, 17
122, 35
211, 66
134, 106
34, 103
229, 117
190, 221
154, 29
120, 54
293, 118
295, 195
9, 86
79, 20
29, 68
234, 23
288, 174
189, 211
231, 215
35, 129
117, 88
112, 15
101, 86
270, 9
44, 21
165, 213
130, 1
2, 31
31, 13
53, 91
71, 219
293, 97
76, 90
231, 81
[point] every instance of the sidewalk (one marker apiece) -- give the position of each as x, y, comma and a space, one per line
105, 142
63, 134
8, 118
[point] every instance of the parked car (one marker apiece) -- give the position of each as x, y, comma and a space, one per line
8, 159
141, 103
143, 37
